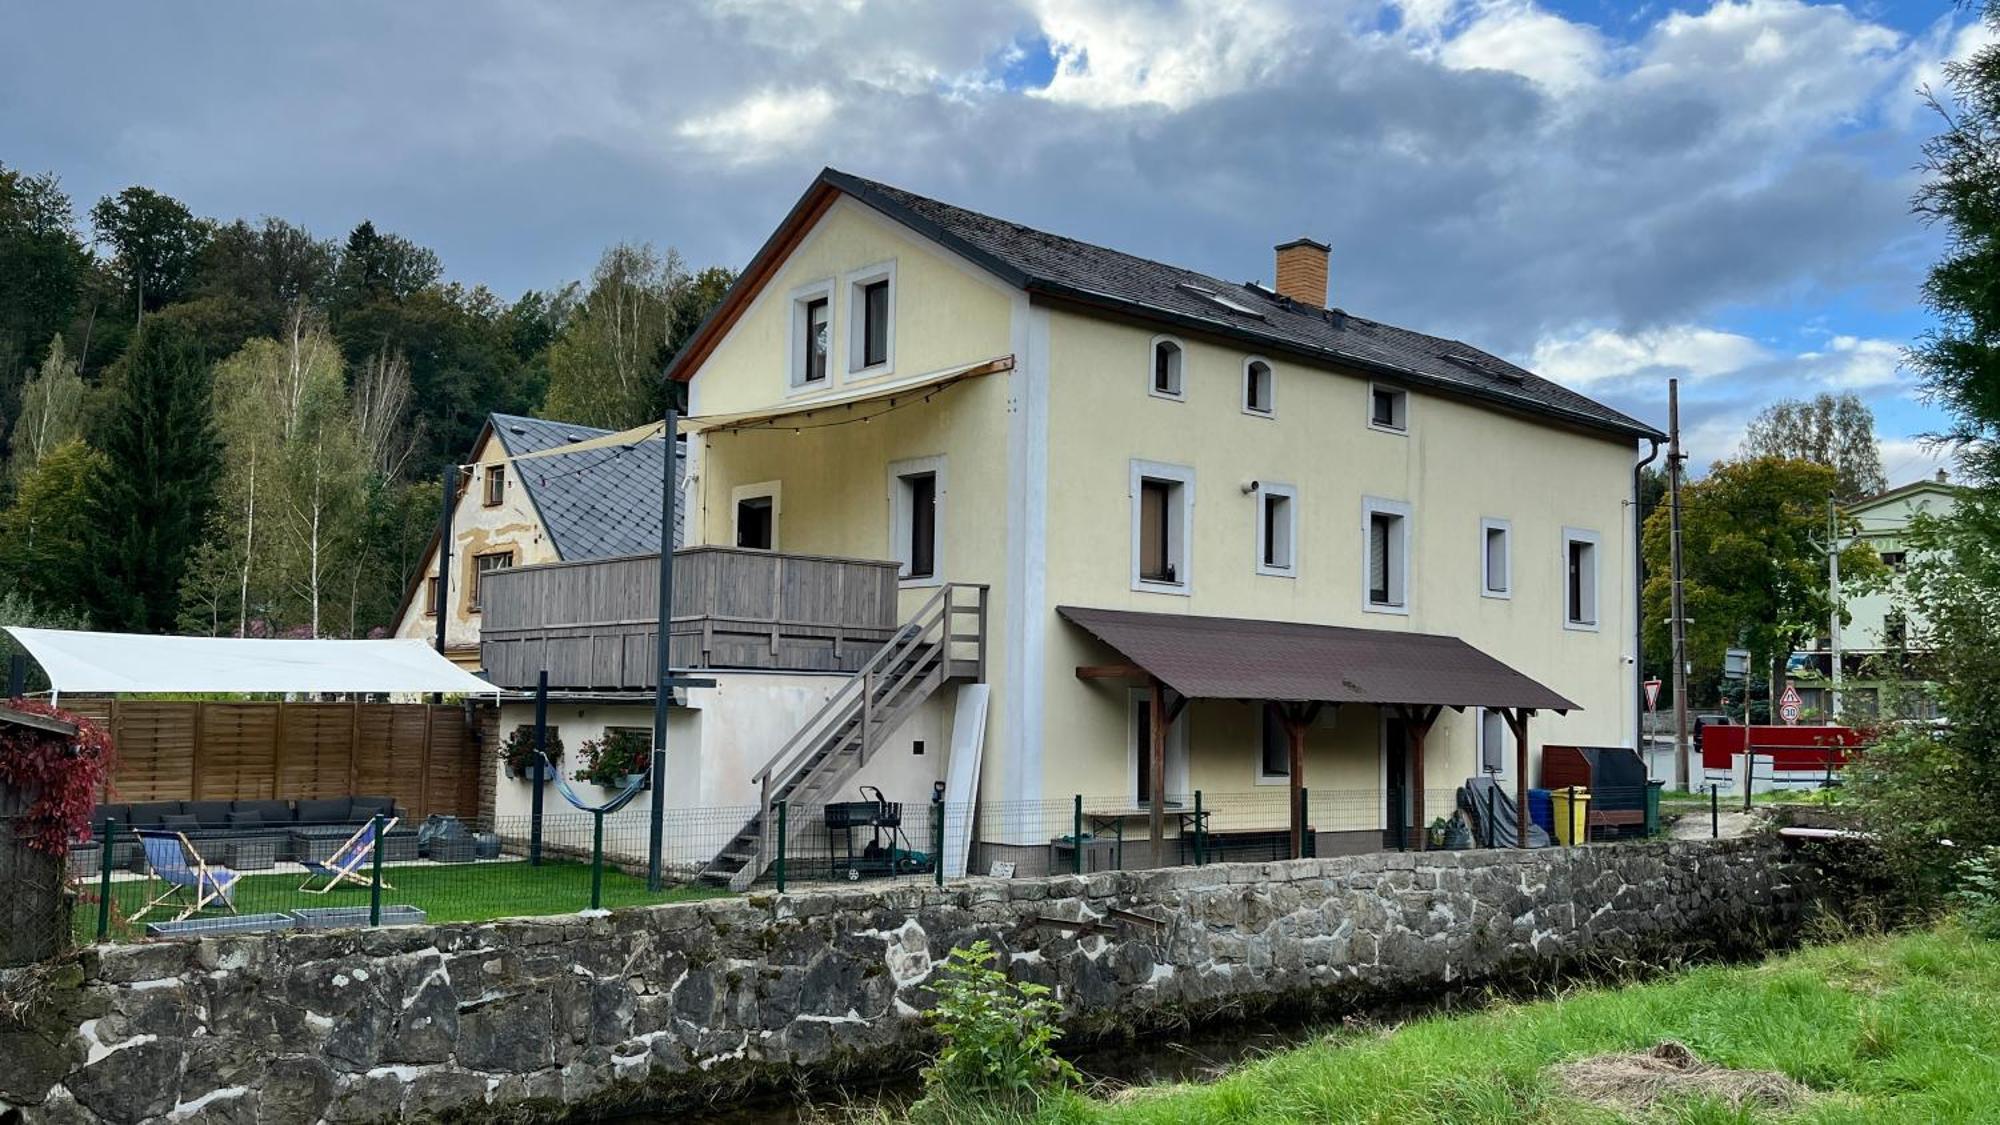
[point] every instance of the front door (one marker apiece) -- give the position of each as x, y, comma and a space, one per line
1396, 781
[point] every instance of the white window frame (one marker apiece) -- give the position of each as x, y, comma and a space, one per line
795, 366
1264, 716
1179, 393
899, 519
1265, 490
771, 488
1183, 549
1401, 579
1583, 535
1487, 527
857, 310
1403, 401
1270, 391
1177, 748
1506, 770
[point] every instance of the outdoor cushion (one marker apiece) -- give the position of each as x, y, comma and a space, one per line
210, 814
365, 807
180, 822
241, 819
148, 815
121, 813
325, 810
272, 812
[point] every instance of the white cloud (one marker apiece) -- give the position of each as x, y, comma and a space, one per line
764, 125
1908, 459
1601, 354
1517, 37
1171, 53
1850, 363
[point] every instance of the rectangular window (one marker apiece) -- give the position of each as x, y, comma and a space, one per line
482, 565
875, 323
1155, 550
916, 488
1580, 579
1894, 560
923, 524
1388, 408
1257, 387
1492, 741
1277, 530
818, 338
1388, 560
1275, 758
431, 596
496, 485
756, 522
1162, 511
1496, 558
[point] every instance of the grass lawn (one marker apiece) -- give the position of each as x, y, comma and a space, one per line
1892, 1029
470, 892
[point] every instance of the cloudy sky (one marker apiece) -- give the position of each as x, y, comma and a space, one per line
1609, 192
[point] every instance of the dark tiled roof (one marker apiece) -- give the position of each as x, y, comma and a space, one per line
1037, 260
1242, 658
597, 504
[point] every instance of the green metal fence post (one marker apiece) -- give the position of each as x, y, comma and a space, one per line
597, 861
1308, 846
1076, 834
779, 866
1714, 812
104, 882
937, 840
375, 872
1197, 828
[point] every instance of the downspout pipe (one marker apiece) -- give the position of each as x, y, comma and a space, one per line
1639, 603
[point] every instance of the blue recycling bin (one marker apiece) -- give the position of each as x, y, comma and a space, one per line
1542, 811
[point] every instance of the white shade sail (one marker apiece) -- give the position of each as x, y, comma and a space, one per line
79, 661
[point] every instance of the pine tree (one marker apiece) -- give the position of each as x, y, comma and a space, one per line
151, 498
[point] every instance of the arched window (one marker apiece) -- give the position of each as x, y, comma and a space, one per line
1166, 374
1258, 385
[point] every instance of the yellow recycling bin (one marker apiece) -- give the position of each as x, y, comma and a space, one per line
1572, 815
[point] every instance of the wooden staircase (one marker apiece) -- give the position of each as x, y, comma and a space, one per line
943, 642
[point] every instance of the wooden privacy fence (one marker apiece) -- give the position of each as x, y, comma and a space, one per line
424, 755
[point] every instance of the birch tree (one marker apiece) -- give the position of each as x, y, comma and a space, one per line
51, 410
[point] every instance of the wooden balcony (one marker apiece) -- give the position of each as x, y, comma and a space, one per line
593, 624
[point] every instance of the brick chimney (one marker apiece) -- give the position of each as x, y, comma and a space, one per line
1302, 271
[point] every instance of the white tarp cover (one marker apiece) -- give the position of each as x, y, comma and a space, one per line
139, 662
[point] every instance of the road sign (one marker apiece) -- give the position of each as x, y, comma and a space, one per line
1652, 695
1736, 663
1789, 704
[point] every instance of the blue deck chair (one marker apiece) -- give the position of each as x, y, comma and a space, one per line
171, 859
348, 858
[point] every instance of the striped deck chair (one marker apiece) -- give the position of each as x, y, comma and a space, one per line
346, 860
173, 860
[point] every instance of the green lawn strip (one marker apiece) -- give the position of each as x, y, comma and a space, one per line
1883, 1030
446, 893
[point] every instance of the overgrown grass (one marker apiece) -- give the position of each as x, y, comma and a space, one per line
1902, 1029
473, 892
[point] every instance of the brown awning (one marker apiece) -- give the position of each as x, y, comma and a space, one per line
1241, 658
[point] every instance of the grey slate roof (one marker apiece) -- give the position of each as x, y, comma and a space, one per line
1039, 261
597, 504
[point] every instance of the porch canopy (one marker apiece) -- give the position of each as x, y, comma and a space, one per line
1296, 668
138, 662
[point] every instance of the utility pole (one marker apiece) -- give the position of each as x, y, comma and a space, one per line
1683, 777
1833, 596
442, 605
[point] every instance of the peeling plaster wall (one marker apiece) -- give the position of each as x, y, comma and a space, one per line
638, 1007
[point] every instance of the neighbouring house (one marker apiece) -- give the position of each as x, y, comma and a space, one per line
1882, 644
588, 505
1047, 522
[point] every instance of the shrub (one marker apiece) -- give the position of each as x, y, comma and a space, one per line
1978, 894
613, 756
518, 751
999, 1039
65, 774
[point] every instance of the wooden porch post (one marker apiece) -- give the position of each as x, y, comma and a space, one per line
1417, 723
1156, 799
1517, 721
1296, 717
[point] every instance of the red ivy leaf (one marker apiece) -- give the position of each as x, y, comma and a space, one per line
64, 774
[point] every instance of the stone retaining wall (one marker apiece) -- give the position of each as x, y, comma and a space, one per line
643, 1005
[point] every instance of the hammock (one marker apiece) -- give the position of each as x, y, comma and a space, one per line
619, 801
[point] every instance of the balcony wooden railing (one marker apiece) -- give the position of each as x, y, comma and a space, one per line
593, 624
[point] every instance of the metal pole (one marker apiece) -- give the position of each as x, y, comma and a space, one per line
1308, 847
1076, 833
375, 875
1714, 811
779, 866
663, 688
937, 837
597, 861
1197, 829
17, 675
104, 883
1675, 460
1833, 596
443, 606
535, 779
